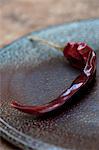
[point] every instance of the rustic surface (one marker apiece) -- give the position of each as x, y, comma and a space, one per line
80, 122
22, 16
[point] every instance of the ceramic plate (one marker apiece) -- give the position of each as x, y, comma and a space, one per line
34, 73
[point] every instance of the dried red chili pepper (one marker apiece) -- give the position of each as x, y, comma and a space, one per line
80, 56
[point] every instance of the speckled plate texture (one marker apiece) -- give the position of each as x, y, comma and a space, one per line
34, 73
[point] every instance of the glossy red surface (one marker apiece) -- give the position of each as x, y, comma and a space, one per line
81, 56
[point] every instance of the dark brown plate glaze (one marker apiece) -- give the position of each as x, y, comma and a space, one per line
34, 73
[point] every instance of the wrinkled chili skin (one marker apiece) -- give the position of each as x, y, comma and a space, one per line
81, 56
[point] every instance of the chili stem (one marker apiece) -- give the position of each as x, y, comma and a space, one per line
56, 46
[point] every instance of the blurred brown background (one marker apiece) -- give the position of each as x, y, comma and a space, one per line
18, 17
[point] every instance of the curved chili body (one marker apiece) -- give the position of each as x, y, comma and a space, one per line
80, 56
